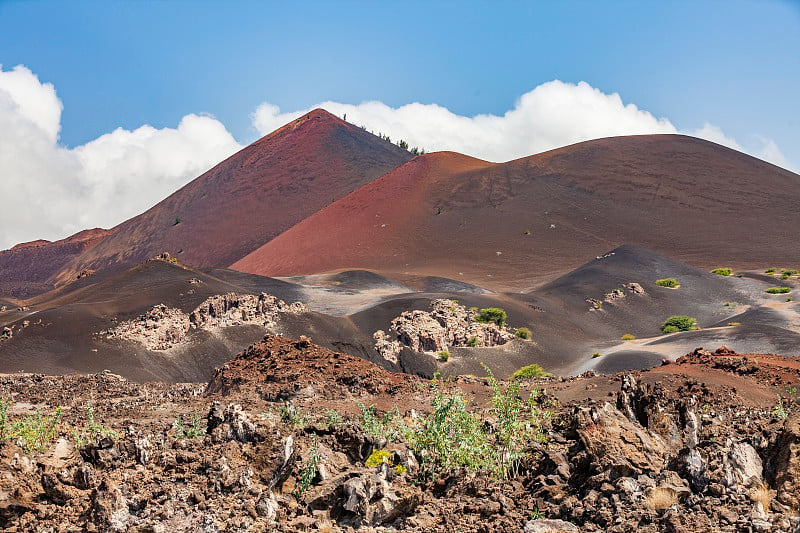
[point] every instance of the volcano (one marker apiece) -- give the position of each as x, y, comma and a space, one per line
510, 225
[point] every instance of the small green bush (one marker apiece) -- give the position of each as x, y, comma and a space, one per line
791, 272
195, 428
722, 271
627, 337
472, 342
672, 283
377, 458
444, 355
530, 371
595, 355
770, 271
677, 323
523, 333
492, 314
36, 431
778, 290
309, 471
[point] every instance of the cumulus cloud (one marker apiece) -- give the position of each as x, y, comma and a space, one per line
51, 192
552, 115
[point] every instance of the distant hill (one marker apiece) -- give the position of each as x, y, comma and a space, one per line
236, 206
28, 268
504, 225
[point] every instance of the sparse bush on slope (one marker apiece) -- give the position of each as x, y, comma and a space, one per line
677, 323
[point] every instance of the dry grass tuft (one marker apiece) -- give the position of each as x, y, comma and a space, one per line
762, 494
661, 498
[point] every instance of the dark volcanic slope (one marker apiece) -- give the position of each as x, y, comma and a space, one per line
28, 268
252, 196
503, 225
60, 333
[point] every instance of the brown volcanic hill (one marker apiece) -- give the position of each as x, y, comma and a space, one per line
28, 268
252, 196
514, 224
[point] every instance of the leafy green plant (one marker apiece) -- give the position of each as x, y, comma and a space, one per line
790, 272
4, 405
779, 411
595, 355
677, 323
399, 469
389, 426
36, 431
517, 424
672, 283
778, 290
309, 471
472, 342
334, 418
492, 314
93, 431
444, 355
377, 458
523, 333
724, 271
627, 337
770, 271
195, 428
530, 371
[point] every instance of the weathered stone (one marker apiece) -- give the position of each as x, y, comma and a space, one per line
549, 526
784, 464
616, 444
743, 466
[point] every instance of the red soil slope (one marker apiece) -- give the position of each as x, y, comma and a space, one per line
252, 196
508, 225
29, 268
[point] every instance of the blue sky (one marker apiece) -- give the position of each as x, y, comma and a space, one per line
725, 70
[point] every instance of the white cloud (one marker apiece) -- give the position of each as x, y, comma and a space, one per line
552, 115
51, 192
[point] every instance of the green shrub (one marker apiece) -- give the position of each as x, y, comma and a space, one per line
770, 271
791, 272
492, 314
93, 431
627, 337
377, 458
595, 355
785, 276
195, 428
309, 471
530, 371
722, 271
444, 355
472, 342
4, 404
36, 431
523, 333
778, 290
677, 323
672, 283
334, 418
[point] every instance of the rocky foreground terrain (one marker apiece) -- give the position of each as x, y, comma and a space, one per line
293, 437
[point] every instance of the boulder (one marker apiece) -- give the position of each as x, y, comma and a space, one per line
549, 526
616, 445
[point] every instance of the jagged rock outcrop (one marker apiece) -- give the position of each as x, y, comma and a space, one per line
785, 463
447, 325
163, 327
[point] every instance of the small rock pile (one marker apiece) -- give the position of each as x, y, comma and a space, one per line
447, 325
163, 327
